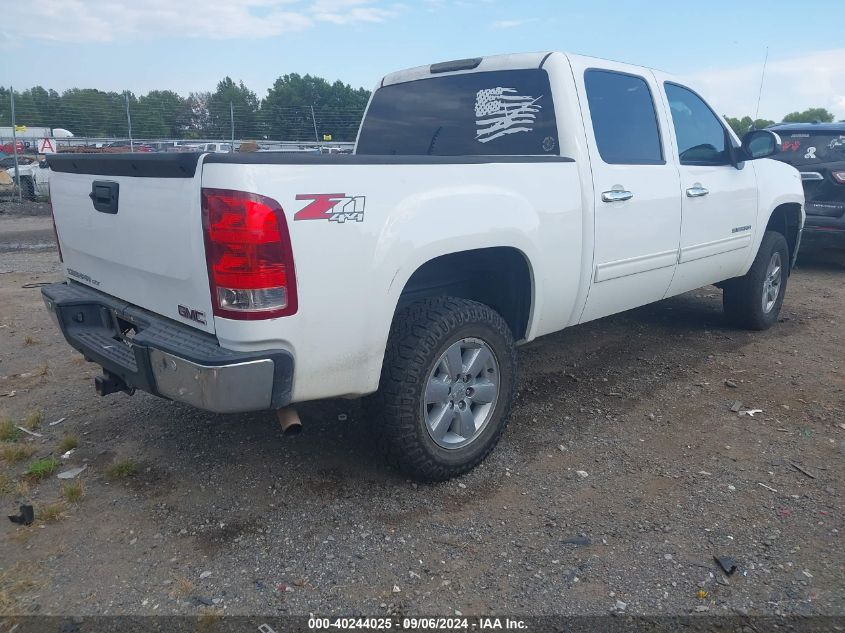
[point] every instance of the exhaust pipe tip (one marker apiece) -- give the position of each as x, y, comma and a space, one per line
289, 421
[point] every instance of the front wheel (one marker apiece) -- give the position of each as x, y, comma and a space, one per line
446, 387
754, 301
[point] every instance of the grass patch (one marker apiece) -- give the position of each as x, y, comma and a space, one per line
123, 469
14, 453
68, 442
41, 468
43, 370
33, 420
7, 485
29, 340
8, 431
51, 512
21, 488
73, 491
182, 587
17, 579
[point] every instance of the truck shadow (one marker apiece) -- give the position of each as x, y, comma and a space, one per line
221, 461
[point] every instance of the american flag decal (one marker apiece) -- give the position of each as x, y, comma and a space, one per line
499, 111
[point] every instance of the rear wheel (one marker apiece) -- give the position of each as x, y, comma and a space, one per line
754, 301
446, 387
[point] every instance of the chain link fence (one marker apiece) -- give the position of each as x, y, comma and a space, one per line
39, 121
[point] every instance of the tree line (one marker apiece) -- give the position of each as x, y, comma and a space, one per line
294, 106
289, 111
810, 115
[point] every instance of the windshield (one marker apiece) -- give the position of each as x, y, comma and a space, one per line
809, 148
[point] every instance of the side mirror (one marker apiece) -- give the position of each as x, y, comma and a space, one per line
760, 144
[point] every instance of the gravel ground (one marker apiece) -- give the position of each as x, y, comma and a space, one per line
623, 473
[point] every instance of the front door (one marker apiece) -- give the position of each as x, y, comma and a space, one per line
636, 189
719, 199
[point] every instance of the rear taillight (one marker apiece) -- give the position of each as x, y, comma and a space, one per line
249, 256
839, 176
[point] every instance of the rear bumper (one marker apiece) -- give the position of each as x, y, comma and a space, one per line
166, 358
821, 231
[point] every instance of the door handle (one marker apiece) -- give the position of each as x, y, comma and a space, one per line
696, 191
616, 195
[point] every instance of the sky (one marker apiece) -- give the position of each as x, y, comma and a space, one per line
189, 45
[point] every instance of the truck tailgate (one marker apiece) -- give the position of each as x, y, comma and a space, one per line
148, 249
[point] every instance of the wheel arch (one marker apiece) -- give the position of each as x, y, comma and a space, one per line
786, 219
498, 276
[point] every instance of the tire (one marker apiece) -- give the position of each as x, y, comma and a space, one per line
412, 404
743, 298
27, 189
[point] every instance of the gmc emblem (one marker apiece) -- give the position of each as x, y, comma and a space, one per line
191, 314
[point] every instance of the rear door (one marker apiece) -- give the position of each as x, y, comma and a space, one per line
147, 247
636, 188
719, 199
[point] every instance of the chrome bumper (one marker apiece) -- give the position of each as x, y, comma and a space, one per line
166, 358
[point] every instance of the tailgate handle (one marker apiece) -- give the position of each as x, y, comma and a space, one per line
104, 195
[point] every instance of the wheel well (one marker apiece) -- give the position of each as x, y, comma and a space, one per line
786, 220
498, 277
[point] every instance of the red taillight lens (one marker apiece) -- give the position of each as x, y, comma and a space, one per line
839, 176
250, 261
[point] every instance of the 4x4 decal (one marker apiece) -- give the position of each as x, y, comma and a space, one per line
334, 207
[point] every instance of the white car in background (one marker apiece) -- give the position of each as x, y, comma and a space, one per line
35, 179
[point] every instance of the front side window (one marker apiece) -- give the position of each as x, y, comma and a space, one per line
624, 119
701, 138
500, 113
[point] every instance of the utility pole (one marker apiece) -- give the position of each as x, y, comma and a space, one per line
314, 120
15, 143
232, 116
129, 123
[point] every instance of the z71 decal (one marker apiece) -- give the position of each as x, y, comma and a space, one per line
334, 207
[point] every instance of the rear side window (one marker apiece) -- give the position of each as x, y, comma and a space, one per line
701, 138
502, 113
624, 119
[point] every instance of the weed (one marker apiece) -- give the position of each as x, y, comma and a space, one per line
6, 484
14, 453
123, 469
41, 468
182, 587
51, 512
30, 341
8, 431
68, 442
73, 491
43, 370
21, 488
15, 580
33, 420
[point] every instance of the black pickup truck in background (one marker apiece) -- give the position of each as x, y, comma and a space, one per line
817, 150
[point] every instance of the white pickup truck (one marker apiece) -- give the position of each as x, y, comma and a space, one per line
489, 201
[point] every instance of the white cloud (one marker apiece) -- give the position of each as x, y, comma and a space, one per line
119, 20
512, 24
792, 84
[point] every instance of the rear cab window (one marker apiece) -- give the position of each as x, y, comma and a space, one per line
498, 113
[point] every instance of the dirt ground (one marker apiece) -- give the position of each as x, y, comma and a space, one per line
222, 514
